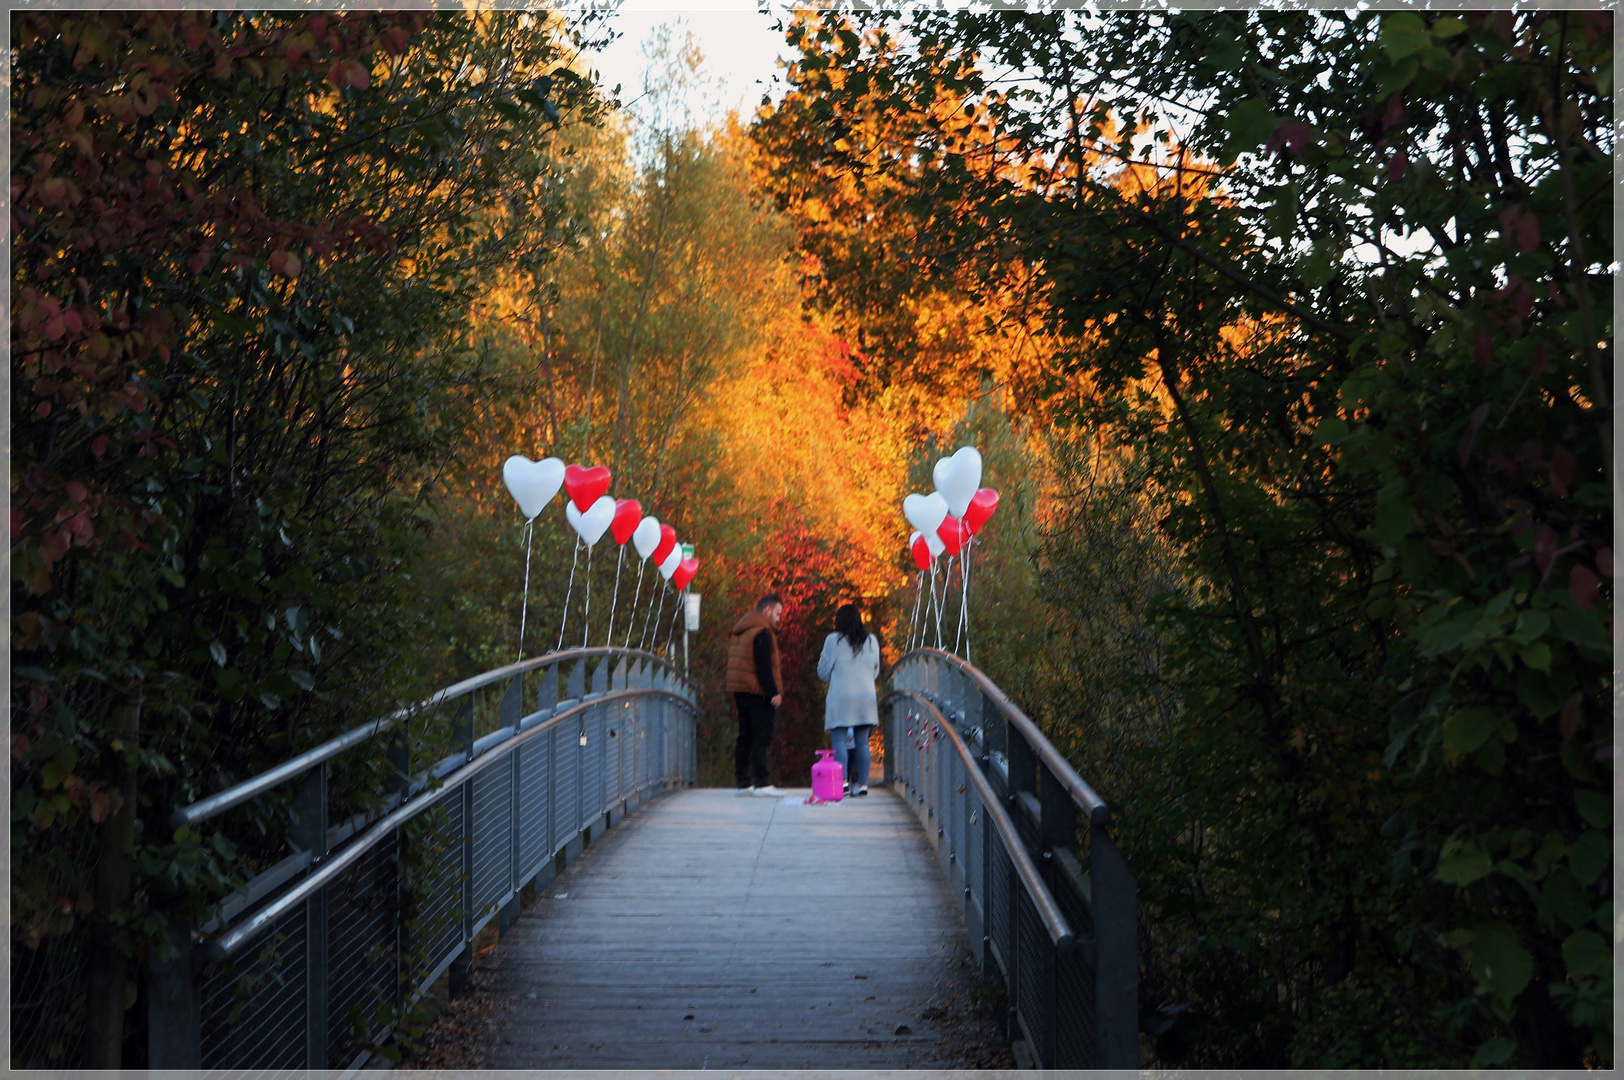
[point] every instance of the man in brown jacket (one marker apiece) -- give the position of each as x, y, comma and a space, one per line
754, 680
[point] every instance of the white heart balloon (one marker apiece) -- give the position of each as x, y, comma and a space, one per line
595, 522
925, 512
532, 483
935, 545
647, 536
958, 478
672, 561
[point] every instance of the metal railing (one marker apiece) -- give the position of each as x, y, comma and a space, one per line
321, 955
1051, 910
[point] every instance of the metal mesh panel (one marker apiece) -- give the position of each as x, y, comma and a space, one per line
361, 951
657, 745
592, 769
47, 1001
614, 752
998, 910
1074, 1012
533, 823
958, 785
437, 930
1074, 977
492, 840
253, 1007
566, 763
1032, 941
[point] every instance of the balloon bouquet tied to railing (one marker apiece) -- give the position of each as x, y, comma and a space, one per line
946, 522
591, 512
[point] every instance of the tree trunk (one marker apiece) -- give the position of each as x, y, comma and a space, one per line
108, 965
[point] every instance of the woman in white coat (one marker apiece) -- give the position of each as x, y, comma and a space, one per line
850, 664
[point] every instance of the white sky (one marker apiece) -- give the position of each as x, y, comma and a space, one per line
739, 44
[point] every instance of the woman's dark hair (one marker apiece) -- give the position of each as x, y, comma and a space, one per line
849, 625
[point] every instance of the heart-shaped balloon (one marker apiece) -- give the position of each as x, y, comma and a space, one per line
685, 573
981, 509
646, 537
595, 522
921, 551
628, 512
952, 535
584, 485
957, 478
673, 559
662, 550
532, 483
925, 512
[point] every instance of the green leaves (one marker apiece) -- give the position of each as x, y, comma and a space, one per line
1462, 863
1469, 729
1403, 33
1499, 961
1249, 124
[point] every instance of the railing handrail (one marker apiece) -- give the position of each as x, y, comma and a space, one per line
226, 944
1054, 922
296, 766
1083, 795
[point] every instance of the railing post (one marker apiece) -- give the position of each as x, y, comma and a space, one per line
174, 1009
309, 833
1116, 967
547, 695
1058, 814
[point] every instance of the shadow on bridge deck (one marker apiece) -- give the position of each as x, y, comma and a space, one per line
716, 931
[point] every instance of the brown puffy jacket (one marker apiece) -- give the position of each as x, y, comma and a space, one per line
741, 661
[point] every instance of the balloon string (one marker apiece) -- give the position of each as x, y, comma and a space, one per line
524, 605
676, 616
620, 560
575, 557
631, 618
655, 603
919, 593
963, 604
586, 613
936, 603
964, 596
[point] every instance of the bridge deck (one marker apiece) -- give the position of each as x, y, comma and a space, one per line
714, 931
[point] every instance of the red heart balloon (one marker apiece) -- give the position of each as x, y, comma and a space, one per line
952, 534
685, 573
586, 486
921, 553
668, 540
982, 505
628, 513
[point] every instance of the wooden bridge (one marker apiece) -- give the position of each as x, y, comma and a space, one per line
644, 923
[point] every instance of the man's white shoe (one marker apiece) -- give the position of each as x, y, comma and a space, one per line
745, 791
769, 791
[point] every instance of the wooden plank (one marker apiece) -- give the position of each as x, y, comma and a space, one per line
710, 930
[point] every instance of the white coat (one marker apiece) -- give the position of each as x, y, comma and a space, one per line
853, 699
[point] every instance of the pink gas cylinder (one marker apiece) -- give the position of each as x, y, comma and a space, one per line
827, 780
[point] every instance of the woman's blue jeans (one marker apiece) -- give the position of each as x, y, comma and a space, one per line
850, 745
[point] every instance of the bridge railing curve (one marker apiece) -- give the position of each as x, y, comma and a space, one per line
320, 955
1047, 897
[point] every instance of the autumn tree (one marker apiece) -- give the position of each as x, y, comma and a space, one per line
1329, 281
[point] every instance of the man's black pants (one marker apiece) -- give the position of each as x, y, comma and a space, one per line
755, 736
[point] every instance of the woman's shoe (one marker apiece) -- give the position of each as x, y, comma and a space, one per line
860, 792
